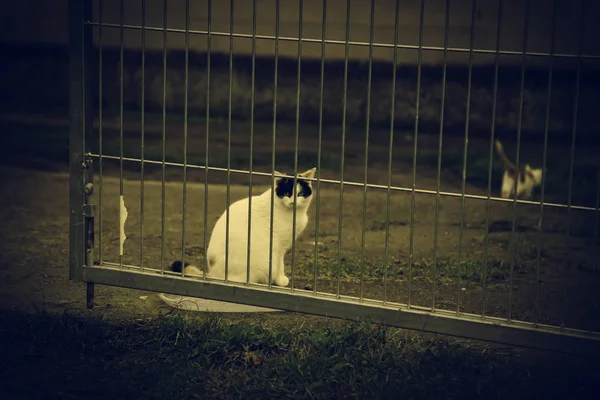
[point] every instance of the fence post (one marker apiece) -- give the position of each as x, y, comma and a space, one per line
80, 130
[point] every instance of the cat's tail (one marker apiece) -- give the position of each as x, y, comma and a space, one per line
507, 163
190, 270
177, 266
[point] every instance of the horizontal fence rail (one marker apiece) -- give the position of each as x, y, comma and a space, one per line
351, 43
389, 252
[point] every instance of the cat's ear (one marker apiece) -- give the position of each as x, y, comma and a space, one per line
310, 174
277, 179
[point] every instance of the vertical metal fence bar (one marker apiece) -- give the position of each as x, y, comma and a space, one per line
251, 141
143, 133
574, 135
206, 147
294, 194
544, 161
319, 145
491, 164
439, 164
386, 253
228, 200
343, 153
465, 149
81, 124
513, 244
366, 167
411, 254
596, 215
100, 132
275, 81
164, 141
88, 73
185, 131
121, 117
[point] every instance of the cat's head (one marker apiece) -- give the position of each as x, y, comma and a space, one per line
285, 190
536, 173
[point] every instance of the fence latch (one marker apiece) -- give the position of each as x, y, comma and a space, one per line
89, 210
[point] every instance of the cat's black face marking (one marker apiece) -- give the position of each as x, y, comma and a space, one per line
285, 188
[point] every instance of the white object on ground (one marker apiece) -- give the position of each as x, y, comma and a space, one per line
205, 305
122, 219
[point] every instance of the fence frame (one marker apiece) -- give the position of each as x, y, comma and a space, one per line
82, 266
81, 174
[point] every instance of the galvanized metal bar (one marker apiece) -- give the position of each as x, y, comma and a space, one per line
143, 137
252, 94
185, 132
366, 165
544, 162
574, 137
442, 322
365, 44
164, 142
206, 147
89, 138
319, 144
121, 116
439, 163
297, 132
100, 132
343, 154
386, 253
596, 215
81, 118
519, 129
465, 152
275, 81
411, 254
229, 108
89, 296
490, 165
354, 184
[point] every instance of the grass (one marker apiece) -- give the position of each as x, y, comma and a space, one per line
184, 357
473, 270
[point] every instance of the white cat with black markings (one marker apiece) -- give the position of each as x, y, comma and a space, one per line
521, 180
283, 214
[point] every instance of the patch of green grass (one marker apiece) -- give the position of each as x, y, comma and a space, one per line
328, 267
178, 357
525, 248
380, 225
472, 270
476, 270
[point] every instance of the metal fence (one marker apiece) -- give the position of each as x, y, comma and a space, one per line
485, 289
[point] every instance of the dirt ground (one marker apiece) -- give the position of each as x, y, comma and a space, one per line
551, 278
34, 239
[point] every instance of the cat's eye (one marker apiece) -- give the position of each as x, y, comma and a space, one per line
301, 194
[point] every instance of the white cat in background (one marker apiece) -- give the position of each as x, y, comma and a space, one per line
283, 212
521, 180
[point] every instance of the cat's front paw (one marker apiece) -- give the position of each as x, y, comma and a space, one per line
282, 281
